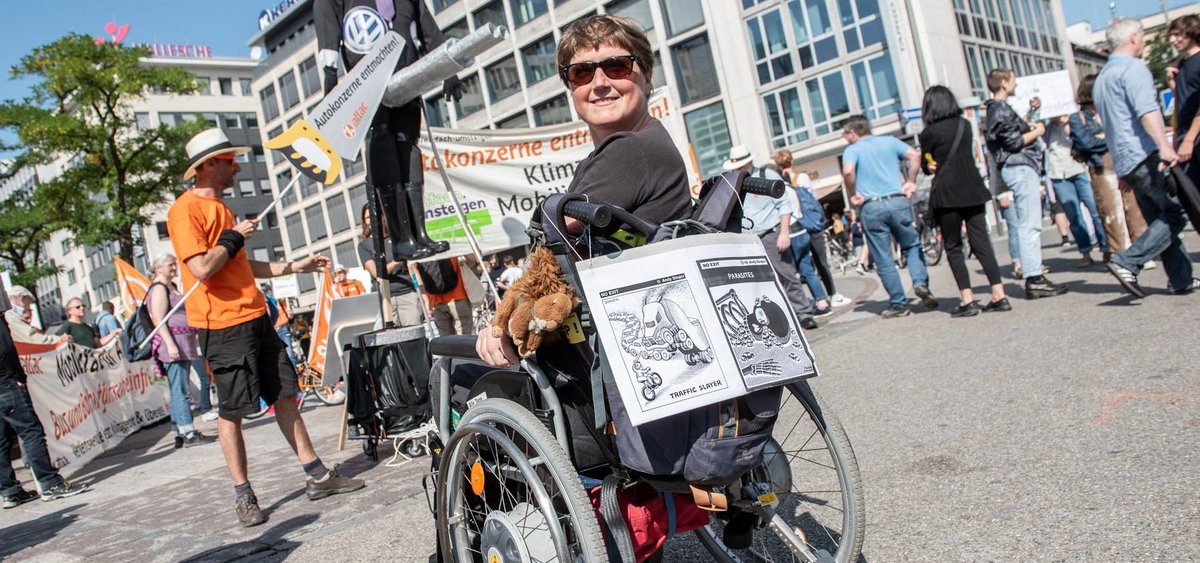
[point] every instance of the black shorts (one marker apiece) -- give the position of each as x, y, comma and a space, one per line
248, 361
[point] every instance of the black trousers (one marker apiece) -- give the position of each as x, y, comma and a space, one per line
950, 220
16, 412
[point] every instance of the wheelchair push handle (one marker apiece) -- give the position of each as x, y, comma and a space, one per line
594, 214
763, 186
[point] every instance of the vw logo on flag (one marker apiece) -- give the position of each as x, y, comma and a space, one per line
361, 28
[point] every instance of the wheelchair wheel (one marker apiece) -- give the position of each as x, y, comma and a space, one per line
507, 492
810, 466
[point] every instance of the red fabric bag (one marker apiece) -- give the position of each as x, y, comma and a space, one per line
648, 519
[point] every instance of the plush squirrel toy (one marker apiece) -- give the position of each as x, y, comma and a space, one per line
535, 306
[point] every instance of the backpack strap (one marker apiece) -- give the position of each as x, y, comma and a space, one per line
610, 509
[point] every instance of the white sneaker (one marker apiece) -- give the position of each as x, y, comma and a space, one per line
209, 416
839, 300
1150, 265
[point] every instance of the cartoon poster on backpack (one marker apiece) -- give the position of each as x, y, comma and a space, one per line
692, 322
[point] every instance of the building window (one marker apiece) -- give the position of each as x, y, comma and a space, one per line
492, 13
358, 198
226, 85
772, 58
539, 61
277, 254
71, 276
636, 10
525, 11
142, 119
246, 188
230, 121
261, 254
813, 30
875, 83
502, 79
436, 111
681, 15
439, 5
695, 72
308, 187
517, 121
287, 90
457, 30
257, 151
310, 79
316, 222
709, 135
346, 254
973, 70
861, 24
552, 111
228, 193
472, 98
271, 221
281, 182
306, 282
339, 220
270, 106
161, 228
203, 86
211, 118
353, 168
828, 101
250, 120
785, 117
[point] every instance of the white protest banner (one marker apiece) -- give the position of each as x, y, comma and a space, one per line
709, 324
1053, 88
88, 400
502, 175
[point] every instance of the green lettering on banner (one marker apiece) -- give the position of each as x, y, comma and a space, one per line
448, 228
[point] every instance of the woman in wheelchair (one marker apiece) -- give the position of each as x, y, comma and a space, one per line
508, 489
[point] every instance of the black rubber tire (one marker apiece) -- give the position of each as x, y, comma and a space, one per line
841, 455
931, 246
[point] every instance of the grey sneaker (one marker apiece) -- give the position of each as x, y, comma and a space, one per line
896, 313
197, 439
248, 512
63, 490
1127, 278
331, 484
21, 497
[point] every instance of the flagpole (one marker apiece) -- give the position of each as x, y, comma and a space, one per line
196, 285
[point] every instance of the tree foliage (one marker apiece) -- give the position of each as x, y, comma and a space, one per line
78, 119
26, 224
1159, 54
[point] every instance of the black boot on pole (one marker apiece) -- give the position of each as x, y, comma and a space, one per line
400, 231
416, 204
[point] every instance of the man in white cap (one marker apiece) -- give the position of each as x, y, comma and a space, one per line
771, 218
246, 356
344, 285
22, 299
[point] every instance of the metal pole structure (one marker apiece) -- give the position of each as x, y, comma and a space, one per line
196, 285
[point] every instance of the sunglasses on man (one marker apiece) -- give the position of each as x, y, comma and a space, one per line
616, 68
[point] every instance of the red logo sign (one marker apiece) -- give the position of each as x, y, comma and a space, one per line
116, 34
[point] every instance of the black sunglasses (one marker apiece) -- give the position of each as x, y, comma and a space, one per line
616, 68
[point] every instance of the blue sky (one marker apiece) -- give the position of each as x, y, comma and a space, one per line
226, 25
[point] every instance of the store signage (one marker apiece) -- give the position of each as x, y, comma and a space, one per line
271, 14
177, 50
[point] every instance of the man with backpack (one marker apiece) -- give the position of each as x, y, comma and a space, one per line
446, 296
808, 220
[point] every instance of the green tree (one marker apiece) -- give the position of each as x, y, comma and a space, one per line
1159, 54
26, 225
79, 114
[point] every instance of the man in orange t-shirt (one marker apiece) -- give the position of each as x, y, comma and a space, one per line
246, 356
450, 310
345, 286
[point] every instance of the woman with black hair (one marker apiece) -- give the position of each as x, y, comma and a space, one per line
958, 196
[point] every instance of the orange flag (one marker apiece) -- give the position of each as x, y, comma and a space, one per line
133, 286
320, 327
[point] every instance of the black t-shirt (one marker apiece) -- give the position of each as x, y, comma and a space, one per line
957, 182
640, 171
401, 281
1187, 93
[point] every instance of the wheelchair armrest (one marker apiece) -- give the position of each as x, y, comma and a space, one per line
454, 346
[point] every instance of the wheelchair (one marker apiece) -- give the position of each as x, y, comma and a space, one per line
512, 470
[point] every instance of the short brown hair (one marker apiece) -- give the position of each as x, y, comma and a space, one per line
858, 124
1187, 26
783, 158
996, 78
594, 32
1083, 94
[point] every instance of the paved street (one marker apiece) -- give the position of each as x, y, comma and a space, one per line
1066, 430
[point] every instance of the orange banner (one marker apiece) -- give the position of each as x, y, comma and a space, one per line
320, 326
133, 286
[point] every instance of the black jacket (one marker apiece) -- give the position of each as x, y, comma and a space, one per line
1004, 132
957, 182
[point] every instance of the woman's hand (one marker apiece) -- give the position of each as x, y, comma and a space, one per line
496, 352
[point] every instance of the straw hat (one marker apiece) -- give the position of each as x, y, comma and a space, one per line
739, 156
207, 144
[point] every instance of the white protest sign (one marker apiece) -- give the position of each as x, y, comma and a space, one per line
1054, 89
502, 175
88, 399
286, 286
709, 324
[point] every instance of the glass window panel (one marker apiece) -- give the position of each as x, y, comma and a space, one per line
436, 111
786, 117
887, 91
846, 12
307, 282
310, 77
636, 10
872, 32
267, 100
316, 222
826, 50
226, 86
659, 78
818, 17
295, 230
503, 80
203, 86
709, 135
245, 84
346, 253
552, 111
472, 99
287, 90
517, 121
681, 15
142, 120
538, 58
246, 188
492, 13
230, 121
526, 10
251, 120
867, 8
457, 30
439, 5
358, 198
851, 38
339, 219
695, 72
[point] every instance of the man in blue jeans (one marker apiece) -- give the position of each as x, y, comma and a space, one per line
1134, 130
1016, 147
870, 171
